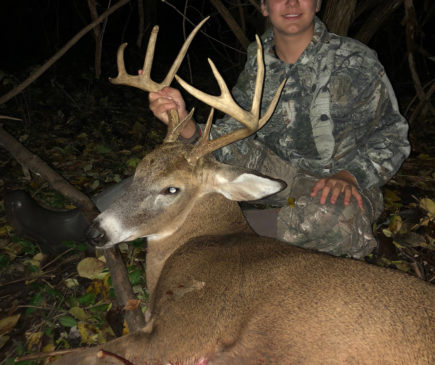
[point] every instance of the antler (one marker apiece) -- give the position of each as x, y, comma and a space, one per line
225, 103
144, 81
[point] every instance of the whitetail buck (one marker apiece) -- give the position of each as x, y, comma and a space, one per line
221, 294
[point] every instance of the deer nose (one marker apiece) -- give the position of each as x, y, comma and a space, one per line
95, 235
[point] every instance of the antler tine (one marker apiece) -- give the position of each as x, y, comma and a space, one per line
176, 65
225, 103
144, 82
175, 129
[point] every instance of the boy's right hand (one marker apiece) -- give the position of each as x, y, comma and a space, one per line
166, 99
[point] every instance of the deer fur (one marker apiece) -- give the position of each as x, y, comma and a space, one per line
221, 294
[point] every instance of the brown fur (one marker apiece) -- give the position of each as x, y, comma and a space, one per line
222, 293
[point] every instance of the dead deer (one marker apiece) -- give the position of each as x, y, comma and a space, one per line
221, 294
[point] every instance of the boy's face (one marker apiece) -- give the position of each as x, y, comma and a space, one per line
291, 17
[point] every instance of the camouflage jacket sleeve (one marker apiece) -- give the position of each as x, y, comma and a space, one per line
374, 144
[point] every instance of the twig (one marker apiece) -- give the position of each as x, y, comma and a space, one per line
422, 104
121, 283
231, 22
9, 118
19, 88
376, 19
411, 22
201, 31
39, 167
42, 355
254, 3
411, 103
189, 66
141, 25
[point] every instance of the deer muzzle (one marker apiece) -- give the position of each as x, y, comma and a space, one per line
95, 235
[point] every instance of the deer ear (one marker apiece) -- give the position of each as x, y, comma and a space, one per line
241, 184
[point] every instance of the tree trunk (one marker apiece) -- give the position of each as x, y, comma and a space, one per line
376, 19
229, 19
97, 31
141, 25
338, 15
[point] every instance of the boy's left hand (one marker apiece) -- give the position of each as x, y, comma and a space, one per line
342, 182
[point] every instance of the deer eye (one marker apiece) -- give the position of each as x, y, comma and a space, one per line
170, 191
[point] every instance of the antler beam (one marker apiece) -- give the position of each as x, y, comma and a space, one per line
225, 103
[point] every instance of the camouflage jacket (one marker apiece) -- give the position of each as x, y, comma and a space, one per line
337, 111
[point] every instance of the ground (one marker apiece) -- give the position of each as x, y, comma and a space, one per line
94, 134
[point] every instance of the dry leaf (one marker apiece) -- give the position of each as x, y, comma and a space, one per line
6, 324
131, 304
71, 283
91, 268
428, 205
79, 313
33, 338
3, 340
396, 224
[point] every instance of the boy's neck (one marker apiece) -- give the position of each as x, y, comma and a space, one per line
290, 47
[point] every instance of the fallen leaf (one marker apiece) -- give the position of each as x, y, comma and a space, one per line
387, 232
71, 283
49, 347
5, 230
91, 268
33, 338
398, 245
132, 304
3, 340
67, 321
402, 265
428, 205
395, 224
90, 334
79, 313
7, 323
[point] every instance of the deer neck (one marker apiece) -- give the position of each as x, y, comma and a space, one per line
211, 214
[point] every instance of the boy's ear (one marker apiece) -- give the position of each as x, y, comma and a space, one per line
264, 8
318, 5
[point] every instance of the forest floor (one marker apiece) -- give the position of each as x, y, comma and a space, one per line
94, 135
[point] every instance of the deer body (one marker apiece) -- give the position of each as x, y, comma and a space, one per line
223, 295
220, 294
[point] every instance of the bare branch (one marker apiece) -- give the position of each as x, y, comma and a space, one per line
121, 283
376, 19
15, 91
338, 15
229, 19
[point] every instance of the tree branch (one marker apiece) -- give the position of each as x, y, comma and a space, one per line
121, 283
229, 19
410, 25
376, 19
19, 88
338, 15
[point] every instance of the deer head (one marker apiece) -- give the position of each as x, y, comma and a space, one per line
180, 191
